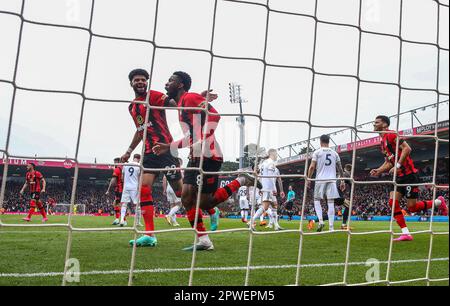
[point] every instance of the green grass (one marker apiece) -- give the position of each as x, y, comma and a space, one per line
42, 250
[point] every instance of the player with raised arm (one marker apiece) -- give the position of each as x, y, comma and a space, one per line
131, 173
33, 180
269, 171
407, 175
116, 183
157, 132
193, 123
327, 162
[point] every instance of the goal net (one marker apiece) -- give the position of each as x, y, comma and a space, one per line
313, 70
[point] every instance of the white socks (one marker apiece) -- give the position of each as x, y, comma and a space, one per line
244, 214
173, 213
331, 213
123, 212
405, 231
258, 213
275, 217
138, 214
319, 211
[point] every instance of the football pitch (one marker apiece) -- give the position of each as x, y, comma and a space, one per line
35, 256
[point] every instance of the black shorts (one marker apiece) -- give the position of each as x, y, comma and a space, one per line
410, 192
118, 196
35, 196
289, 205
339, 201
165, 161
210, 182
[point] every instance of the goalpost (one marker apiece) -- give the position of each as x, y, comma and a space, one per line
267, 6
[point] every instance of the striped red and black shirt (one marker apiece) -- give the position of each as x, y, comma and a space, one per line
118, 175
157, 128
34, 179
193, 123
388, 148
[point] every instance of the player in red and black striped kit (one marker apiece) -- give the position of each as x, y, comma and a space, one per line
407, 175
193, 124
117, 183
33, 181
51, 202
157, 132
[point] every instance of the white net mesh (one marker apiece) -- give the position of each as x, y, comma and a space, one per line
270, 13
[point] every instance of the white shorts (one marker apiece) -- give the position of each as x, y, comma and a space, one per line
268, 196
243, 203
172, 197
130, 196
326, 190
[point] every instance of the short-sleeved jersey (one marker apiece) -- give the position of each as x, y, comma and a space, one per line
243, 192
327, 160
388, 148
193, 123
131, 173
157, 128
291, 195
118, 175
34, 179
268, 168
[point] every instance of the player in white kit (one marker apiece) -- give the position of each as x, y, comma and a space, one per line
174, 201
327, 162
269, 190
131, 173
244, 203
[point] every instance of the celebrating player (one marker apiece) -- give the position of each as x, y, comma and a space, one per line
157, 132
116, 183
194, 123
407, 174
33, 180
269, 190
131, 173
327, 162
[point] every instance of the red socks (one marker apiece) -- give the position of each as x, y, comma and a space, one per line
117, 212
224, 193
423, 205
398, 214
32, 209
148, 212
191, 218
42, 209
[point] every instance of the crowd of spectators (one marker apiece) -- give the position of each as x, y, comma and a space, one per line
368, 200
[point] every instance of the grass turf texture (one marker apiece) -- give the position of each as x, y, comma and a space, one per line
42, 250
